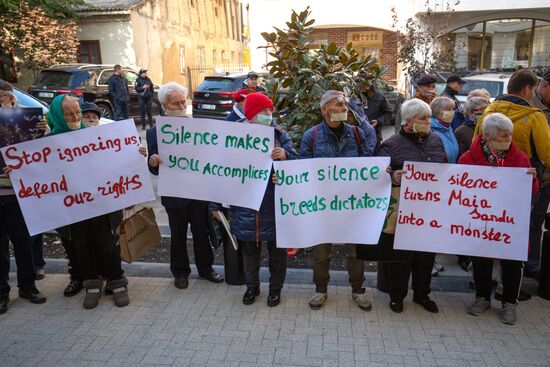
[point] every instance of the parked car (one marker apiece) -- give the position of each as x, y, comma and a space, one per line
495, 83
88, 81
23, 99
213, 98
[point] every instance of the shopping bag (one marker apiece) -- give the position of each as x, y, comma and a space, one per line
138, 234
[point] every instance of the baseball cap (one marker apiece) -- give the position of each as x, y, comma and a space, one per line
455, 78
252, 74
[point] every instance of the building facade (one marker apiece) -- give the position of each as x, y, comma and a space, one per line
379, 43
177, 40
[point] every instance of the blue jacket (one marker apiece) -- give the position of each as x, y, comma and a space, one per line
448, 139
325, 144
118, 88
364, 124
250, 225
233, 115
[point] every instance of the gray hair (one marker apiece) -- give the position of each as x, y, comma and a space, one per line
168, 88
440, 104
413, 108
480, 92
495, 122
329, 95
473, 103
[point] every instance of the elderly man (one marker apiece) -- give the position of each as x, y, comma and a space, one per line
425, 91
252, 81
182, 212
531, 135
335, 138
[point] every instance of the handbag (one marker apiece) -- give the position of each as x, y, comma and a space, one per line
138, 234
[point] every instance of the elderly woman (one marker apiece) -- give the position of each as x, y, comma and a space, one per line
414, 142
494, 147
182, 212
473, 108
251, 227
442, 116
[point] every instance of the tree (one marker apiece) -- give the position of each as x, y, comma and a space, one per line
37, 40
421, 41
57, 9
301, 75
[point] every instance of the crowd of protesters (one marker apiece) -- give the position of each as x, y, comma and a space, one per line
513, 130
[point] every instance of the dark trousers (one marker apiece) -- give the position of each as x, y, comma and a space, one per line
196, 214
535, 230
13, 226
419, 264
512, 273
96, 249
252, 259
121, 110
75, 270
37, 247
145, 105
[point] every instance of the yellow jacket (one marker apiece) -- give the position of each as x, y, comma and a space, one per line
531, 129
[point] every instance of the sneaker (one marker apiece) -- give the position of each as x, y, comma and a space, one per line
361, 300
508, 314
479, 306
274, 298
250, 295
317, 301
40, 274
73, 288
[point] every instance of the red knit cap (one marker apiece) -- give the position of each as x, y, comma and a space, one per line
254, 103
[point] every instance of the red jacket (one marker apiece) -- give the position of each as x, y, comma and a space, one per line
514, 158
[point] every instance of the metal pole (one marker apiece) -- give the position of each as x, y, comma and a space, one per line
482, 61
531, 43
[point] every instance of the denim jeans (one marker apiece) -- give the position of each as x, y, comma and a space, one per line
145, 106
121, 110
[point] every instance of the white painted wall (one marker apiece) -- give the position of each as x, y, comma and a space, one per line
116, 40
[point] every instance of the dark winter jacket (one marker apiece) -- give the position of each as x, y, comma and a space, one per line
118, 88
257, 89
251, 225
364, 124
451, 93
142, 92
377, 108
464, 135
514, 158
234, 116
321, 142
404, 146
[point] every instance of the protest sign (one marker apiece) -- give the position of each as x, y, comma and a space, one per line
330, 200
17, 125
218, 161
464, 210
74, 176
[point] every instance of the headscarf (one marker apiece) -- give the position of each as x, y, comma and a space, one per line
56, 120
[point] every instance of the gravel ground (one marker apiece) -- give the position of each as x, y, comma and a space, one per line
161, 254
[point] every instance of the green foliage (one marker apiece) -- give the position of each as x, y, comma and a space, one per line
301, 75
57, 9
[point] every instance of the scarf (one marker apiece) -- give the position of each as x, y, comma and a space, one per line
425, 99
238, 111
56, 120
495, 159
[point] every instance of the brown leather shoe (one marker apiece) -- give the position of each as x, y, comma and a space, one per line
181, 282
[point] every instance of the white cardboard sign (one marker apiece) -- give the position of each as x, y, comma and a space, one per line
464, 210
70, 177
213, 160
331, 200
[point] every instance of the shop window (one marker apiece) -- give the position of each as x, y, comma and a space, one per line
541, 46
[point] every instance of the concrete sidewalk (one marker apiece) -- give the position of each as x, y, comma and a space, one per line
207, 325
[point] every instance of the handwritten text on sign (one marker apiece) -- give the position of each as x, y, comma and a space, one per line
74, 176
464, 210
214, 160
331, 200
